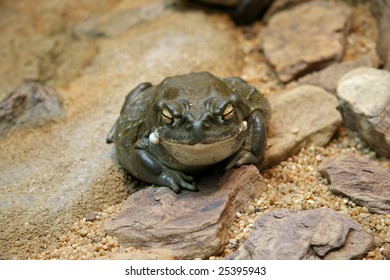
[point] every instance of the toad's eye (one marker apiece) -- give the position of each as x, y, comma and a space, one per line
228, 113
167, 116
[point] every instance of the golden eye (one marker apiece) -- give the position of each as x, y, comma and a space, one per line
228, 113
167, 116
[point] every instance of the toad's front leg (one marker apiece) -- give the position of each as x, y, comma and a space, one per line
143, 165
255, 142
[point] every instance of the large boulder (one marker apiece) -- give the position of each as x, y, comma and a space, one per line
364, 96
308, 37
303, 116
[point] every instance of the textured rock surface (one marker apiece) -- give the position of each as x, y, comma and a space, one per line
306, 38
329, 77
362, 180
29, 105
37, 43
279, 5
50, 177
296, 121
192, 224
311, 234
364, 95
381, 9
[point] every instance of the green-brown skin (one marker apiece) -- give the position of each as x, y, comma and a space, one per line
188, 123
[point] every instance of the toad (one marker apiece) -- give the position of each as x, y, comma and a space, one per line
187, 123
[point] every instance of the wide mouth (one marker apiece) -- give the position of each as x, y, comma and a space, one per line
205, 140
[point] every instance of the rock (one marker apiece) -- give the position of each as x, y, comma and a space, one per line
53, 175
329, 77
279, 5
364, 96
118, 21
311, 234
192, 224
42, 48
306, 38
301, 117
360, 179
29, 105
91, 217
381, 10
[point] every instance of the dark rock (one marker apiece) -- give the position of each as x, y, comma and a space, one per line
362, 180
192, 224
311, 234
381, 10
301, 117
306, 38
364, 96
242, 11
329, 77
29, 105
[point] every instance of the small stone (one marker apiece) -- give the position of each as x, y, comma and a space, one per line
91, 217
232, 241
83, 232
295, 130
361, 179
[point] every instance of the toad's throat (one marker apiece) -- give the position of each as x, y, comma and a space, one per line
199, 154
202, 154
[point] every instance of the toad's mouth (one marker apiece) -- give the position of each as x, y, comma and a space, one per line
155, 138
202, 154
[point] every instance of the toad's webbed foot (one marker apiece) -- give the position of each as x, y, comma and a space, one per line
146, 167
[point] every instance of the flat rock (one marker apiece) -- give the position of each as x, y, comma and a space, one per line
364, 96
301, 235
360, 179
29, 105
381, 10
303, 116
329, 77
308, 37
55, 174
279, 5
192, 224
